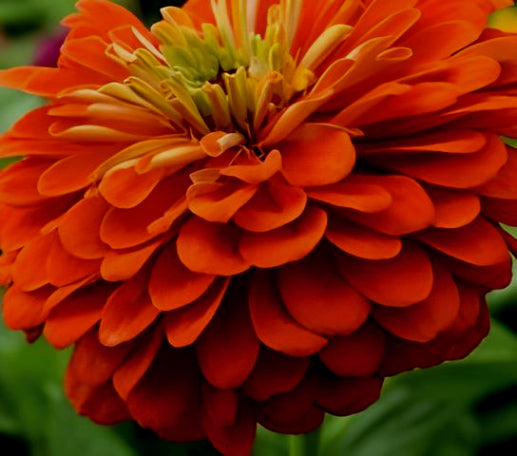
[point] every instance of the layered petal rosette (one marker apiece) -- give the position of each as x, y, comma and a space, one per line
256, 210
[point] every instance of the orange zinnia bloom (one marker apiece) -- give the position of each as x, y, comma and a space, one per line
256, 211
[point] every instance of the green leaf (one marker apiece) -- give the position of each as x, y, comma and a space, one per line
14, 105
402, 424
33, 406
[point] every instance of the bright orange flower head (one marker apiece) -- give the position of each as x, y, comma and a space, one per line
257, 210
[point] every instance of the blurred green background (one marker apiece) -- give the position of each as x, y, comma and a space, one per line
466, 408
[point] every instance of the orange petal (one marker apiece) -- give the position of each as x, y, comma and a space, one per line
504, 184
210, 248
123, 264
23, 310
274, 373
172, 285
90, 52
218, 202
285, 244
73, 317
161, 400
454, 170
500, 210
448, 141
294, 116
63, 268
230, 424
411, 209
422, 98
361, 241
273, 325
356, 355
478, 243
48, 82
319, 298
228, 348
316, 154
363, 197
125, 188
60, 294
107, 360
447, 38
99, 402
396, 282
257, 171
100, 18
125, 228
79, 228
183, 326
346, 396
18, 182
423, 321
127, 312
454, 209
28, 272
137, 363
274, 205
20, 225
294, 412
71, 173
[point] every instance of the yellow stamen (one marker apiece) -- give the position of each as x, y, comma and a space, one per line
218, 142
325, 44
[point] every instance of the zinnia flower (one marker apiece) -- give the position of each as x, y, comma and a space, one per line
257, 210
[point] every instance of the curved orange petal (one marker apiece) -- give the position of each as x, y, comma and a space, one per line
361, 196
63, 269
123, 264
355, 355
490, 247
273, 325
71, 173
125, 188
396, 282
79, 228
228, 348
288, 243
99, 402
210, 248
107, 360
74, 316
319, 298
274, 373
423, 321
345, 396
18, 182
125, 228
28, 272
504, 184
23, 310
454, 209
361, 241
274, 205
411, 209
172, 285
183, 326
136, 364
218, 202
323, 148
456, 171
128, 312
156, 404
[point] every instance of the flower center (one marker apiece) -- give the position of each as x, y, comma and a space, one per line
224, 77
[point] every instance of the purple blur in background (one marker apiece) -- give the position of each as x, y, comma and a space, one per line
47, 50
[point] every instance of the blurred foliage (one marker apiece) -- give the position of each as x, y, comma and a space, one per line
466, 408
